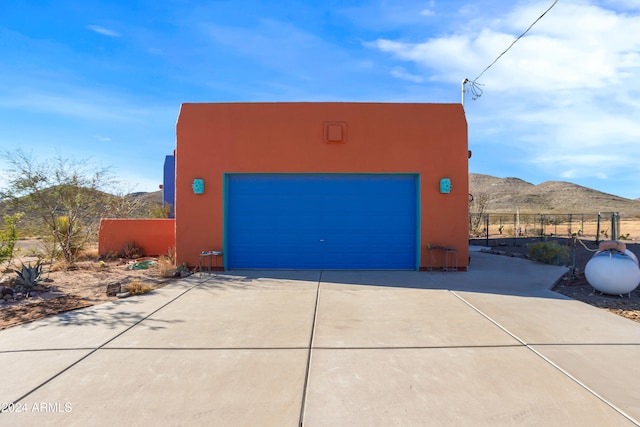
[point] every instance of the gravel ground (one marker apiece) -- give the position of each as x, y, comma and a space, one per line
574, 284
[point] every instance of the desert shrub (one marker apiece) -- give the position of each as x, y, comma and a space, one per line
62, 265
111, 256
132, 250
549, 252
69, 236
160, 211
8, 237
88, 254
137, 287
166, 266
171, 254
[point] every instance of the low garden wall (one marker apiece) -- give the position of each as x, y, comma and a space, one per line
153, 236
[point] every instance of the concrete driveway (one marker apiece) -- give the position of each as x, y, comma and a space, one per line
492, 346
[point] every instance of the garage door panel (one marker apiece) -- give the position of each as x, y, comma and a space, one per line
332, 221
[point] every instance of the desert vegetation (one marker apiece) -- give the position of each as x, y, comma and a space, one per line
49, 262
61, 201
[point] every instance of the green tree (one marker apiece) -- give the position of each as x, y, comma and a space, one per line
64, 195
9, 237
160, 211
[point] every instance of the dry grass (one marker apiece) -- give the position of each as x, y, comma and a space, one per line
629, 228
88, 254
137, 287
62, 266
166, 266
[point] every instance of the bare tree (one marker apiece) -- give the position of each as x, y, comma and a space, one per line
478, 204
63, 195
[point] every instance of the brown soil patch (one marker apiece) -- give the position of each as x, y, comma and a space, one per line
84, 285
22, 313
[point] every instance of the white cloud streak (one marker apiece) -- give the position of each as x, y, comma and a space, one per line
104, 31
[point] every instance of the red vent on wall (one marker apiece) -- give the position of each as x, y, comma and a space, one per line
335, 132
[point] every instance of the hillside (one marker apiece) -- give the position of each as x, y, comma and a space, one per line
134, 205
509, 194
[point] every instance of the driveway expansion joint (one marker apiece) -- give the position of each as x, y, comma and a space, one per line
550, 362
94, 350
309, 350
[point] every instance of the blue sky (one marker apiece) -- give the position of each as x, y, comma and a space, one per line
105, 79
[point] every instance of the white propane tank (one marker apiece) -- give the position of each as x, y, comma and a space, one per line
613, 272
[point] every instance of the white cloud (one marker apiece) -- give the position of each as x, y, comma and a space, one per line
401, 73
104, 31
574, 46
565, 96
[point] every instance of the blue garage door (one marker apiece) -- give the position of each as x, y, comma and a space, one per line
327, 221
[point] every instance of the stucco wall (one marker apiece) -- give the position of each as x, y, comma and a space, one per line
155, 236
428, 139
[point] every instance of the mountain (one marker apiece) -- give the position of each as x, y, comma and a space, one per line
509, 194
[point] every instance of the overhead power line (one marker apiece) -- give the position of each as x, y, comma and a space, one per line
475, 89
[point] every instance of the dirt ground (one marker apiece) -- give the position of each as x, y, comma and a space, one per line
574, 284
84, 285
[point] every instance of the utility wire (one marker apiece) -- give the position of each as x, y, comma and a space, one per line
475, 90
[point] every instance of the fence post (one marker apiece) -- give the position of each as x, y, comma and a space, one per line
614, 226
569, 229
618, 223
487, 227
598, 230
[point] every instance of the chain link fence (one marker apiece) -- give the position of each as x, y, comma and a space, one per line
597, 227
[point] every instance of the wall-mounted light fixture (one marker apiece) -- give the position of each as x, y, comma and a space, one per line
198, 186
445, 186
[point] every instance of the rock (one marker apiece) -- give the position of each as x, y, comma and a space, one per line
7, 291
184, 273
7, 297
122, 294
113, 289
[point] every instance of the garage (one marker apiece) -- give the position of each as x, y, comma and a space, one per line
321, 221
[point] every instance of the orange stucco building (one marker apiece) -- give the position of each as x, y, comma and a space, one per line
322, 185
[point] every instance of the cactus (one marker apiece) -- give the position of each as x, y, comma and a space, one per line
29, 277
